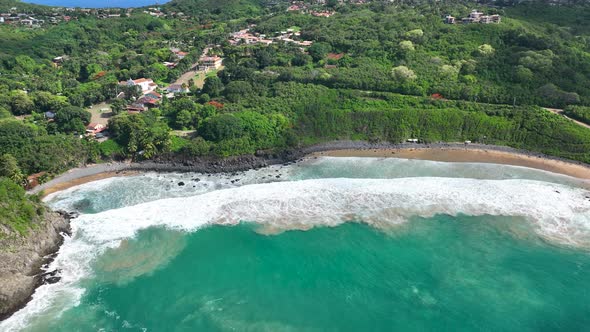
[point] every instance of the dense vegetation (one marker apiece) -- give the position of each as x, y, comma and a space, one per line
17, 209
581, 113
381, 71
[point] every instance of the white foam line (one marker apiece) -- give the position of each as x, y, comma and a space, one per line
558, 212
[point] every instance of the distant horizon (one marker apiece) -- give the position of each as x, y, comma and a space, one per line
97, 3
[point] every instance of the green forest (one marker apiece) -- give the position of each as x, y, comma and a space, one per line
375, 71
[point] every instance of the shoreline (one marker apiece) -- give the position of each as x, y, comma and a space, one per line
442, 152
457, 155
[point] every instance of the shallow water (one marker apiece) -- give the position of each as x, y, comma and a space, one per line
331, 244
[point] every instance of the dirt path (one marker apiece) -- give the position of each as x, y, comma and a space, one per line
98, 116
560, 112
197, 75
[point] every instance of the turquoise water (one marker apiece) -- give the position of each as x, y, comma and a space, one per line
440, 274
349, 244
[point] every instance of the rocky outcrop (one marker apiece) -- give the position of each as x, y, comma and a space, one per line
21, 259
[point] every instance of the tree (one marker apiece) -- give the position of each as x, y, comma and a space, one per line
9, 168
485, 50
20, 103
301, 59
449, 72
319, 50
221, 127
537, 61
72, 119
45, 101
184, 119
523, 74
213, 86
415, 35
237, 90
197, 147
406, 46
204, 98
403, 73
4, 113
25, 63
118, 106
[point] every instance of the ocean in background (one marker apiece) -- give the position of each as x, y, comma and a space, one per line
329, 244
98, 3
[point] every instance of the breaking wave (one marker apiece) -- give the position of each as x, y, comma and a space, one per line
558, 213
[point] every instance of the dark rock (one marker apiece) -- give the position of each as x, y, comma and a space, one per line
20, 267
180, 184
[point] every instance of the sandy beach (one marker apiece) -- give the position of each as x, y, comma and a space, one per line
444, 152
468, 155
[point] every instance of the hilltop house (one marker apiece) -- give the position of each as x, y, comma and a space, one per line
479, 17
146, 84
210, 62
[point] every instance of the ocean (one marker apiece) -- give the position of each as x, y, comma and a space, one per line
98, 3
328, 244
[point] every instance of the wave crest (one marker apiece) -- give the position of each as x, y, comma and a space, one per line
559, 213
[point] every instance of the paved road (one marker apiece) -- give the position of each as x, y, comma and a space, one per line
560, 112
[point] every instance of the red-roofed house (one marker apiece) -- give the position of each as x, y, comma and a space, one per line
335, 56
180, 55
216, 104
94, 128
153, 95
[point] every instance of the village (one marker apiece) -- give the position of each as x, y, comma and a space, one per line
247, 37
474, 17
56, 15
150, 93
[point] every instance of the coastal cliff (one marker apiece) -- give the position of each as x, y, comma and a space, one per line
21, 259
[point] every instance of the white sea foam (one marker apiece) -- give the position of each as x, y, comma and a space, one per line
559, 213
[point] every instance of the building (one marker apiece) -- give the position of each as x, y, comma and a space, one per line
479, 17
176, 88
94, 128
335, 56
153, 95
170, 65
496, 18
181, 55
146, 84
450, 19
136, 108
148, 102
210, 62
34, 180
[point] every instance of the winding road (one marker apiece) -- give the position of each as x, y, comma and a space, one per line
560, 112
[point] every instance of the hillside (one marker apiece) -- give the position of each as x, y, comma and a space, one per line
223, 9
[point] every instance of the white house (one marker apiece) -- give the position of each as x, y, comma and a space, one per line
146, 84
210, 62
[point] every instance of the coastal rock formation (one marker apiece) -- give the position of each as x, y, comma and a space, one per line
21, 259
